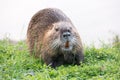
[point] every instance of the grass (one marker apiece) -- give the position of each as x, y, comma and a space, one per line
99, 64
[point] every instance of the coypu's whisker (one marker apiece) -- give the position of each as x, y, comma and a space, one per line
55, 44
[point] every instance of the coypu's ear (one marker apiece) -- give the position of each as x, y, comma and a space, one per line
51, 26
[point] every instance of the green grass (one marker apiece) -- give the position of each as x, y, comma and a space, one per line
99, 64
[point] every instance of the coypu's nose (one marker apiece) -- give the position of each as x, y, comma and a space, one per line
66, 35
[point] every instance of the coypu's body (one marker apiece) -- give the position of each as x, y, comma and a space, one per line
52, 37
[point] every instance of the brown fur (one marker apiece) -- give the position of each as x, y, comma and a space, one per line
41, 35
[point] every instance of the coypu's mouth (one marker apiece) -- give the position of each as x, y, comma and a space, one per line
67, 46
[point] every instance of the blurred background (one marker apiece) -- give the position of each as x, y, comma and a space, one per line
96, 20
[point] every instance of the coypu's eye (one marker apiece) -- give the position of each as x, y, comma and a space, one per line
57, 29
68, 30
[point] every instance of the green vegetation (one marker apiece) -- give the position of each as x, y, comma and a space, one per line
99, 64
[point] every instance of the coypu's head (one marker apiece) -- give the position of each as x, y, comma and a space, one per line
62, 36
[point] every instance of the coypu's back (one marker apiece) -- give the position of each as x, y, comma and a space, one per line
38, 25
48, 16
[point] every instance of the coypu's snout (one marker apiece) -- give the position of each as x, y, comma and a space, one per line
66, 35
66, 39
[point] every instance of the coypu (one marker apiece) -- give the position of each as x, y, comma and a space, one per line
52, 37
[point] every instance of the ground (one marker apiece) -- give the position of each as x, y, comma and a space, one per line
99, 64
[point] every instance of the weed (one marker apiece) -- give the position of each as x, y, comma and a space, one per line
99, 64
